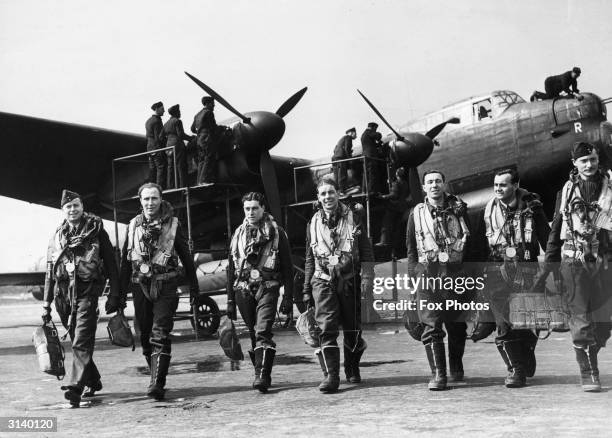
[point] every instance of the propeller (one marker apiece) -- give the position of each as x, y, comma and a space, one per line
288, 105
219, 99
414, 180
258, 134
433, 132
397, 135
270, 183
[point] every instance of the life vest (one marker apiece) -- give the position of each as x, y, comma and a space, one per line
581, 233
430, 245
163, 257
498, 227
323, 245
268, 259
82, 258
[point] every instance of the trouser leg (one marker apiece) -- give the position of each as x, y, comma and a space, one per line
181, 165
143, 311
327, 312
248, 311
152, 170
84, 370
164, 309
265, 316
160, 166
350, 319
170, 171
431, 316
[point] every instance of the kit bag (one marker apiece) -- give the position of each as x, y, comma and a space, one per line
119, 331
539, 311
49, 350
228, 340
308, 329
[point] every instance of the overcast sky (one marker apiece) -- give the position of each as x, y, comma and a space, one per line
105, 63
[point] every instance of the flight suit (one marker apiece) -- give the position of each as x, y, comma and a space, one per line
259, 263
157, 162
370, 141
173, 131
584, 267
75, 261
205, 127
338, 256
342, 151
509, 238
152, 276
433, 233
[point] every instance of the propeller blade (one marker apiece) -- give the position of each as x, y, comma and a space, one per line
218, 98
270, 183
284, 109
399, 137
414, 180
433, 132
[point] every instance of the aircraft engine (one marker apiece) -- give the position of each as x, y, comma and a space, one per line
412, 150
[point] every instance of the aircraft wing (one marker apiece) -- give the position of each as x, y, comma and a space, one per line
42, 157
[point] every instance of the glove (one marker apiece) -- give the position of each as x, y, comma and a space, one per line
46, 316
231, 310
286, 306
113, 304
307, 298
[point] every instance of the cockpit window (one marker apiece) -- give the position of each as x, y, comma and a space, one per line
506, 98
482, 109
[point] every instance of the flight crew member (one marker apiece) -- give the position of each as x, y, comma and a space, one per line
511, 230
343, 151
338, 268
370, 142
153, 244
566, 82
205, 127
580, 240
79, 260
396, 212
174, 134
154, 129
437, 240
259, 264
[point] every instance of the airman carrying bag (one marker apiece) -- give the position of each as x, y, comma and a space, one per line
539, 311
49, 350
119, 331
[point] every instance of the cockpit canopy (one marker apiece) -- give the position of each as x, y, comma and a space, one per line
476, 109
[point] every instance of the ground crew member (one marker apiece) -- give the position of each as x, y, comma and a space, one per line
174, 134
343, 151
437, 240
580, 240
149, 262
205, 127
260, 263
370, 142
396, 212
79, 260
154, 128
511, 230
338, 268
554, 85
